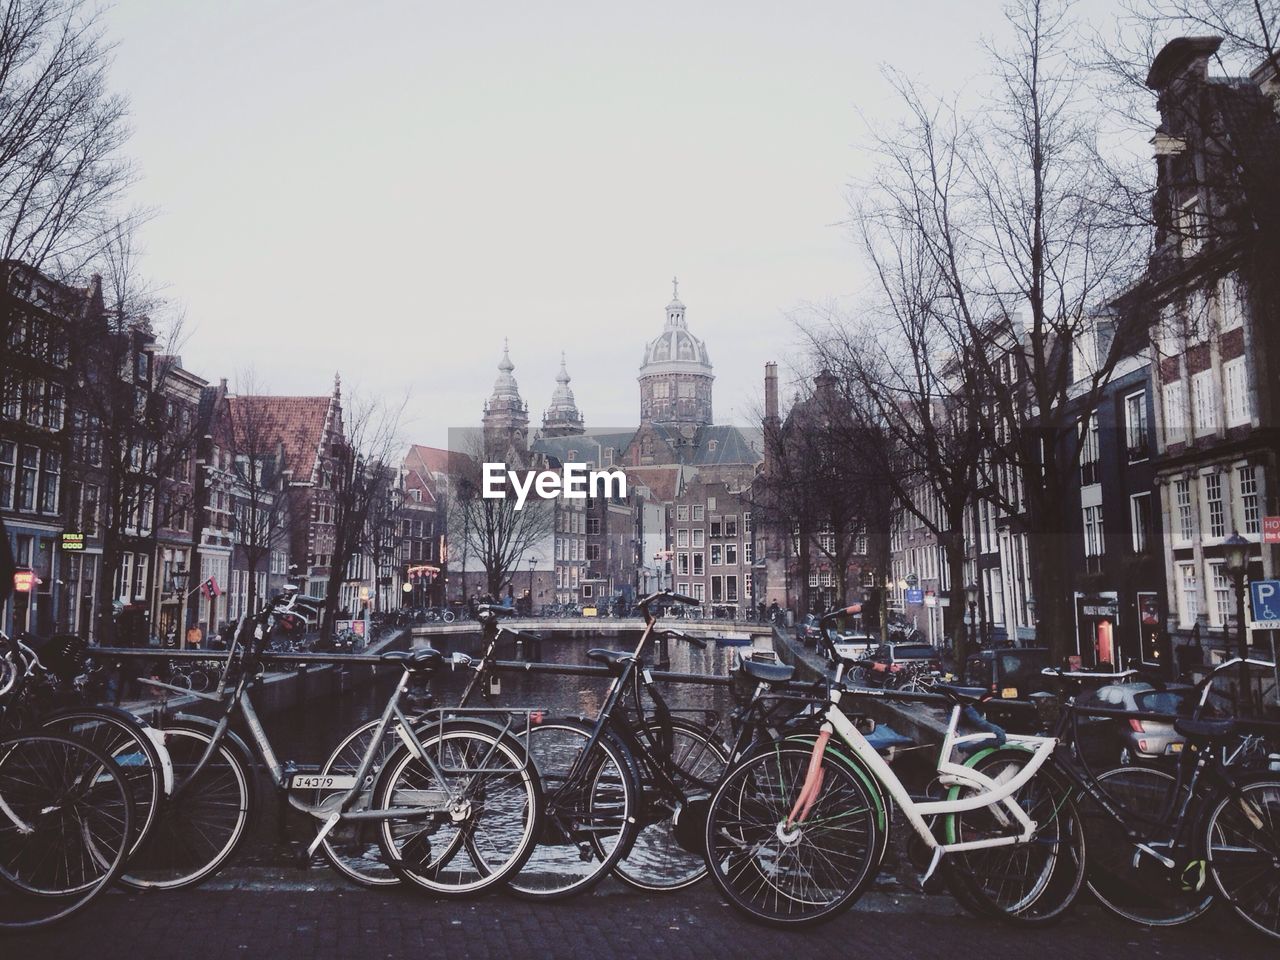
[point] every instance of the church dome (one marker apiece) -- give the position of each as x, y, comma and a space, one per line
675, 350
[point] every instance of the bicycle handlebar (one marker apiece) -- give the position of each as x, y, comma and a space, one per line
1085, 675
667, 595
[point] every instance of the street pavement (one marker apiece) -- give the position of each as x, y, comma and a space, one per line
257, 912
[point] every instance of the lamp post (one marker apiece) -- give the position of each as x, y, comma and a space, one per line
1236, 552
532, 562
180, 578
971, 598
1031, 614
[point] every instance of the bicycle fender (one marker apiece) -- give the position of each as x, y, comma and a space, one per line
231, 737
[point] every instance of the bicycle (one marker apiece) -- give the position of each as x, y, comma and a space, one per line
1166, 845
617, 786
456, 805
795, 831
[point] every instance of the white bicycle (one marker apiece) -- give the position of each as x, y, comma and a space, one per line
796, 831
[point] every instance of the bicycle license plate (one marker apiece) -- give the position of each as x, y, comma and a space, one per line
315, 781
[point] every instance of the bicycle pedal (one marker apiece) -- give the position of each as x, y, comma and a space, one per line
301, 858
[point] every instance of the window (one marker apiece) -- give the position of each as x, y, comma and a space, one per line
49, 482
1191, 228
731, 553
1247, 492
35, 402
8, 472
697, 565
747, 528
1140, 521
1188, 595
716, 527
593, 551
748, 551
682, 538
1204, 397
593, 525
140, 576
813, 578
699, 592
717, 589
55, 408
1093, 531
1090, 451
27, 471
682, 588
698, 513
682, 512
731, 527
1220, 593
1175, 412
586, 591
1135, 426
1236, 388
717, 555
1182, 500
682, 564
1231, 303
1216, 517
699, 537
731, 589
827, 542
748, 585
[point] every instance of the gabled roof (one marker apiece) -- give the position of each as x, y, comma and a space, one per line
299, 423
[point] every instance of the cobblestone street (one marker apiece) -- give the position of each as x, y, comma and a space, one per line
259, 913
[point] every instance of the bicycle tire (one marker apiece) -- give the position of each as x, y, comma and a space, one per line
353, 849
586, 830
60, 794
804, 875
1051, 865
201, 825
1242, 852
501, 850
657, 859
1132, 886
124, 738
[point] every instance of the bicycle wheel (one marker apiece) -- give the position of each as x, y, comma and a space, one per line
352, 847
475, 810
1242, 850
66, 819
1131, 884
797, 875
126, 740
201, 824
1031, 883
667, 851
588, 825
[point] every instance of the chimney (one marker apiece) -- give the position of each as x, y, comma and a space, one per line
771, 391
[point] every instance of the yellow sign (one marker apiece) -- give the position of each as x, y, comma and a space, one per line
73, 541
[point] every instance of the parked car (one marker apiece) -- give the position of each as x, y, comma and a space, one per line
852, 644
807, 630
1010, 674
891, 658
1138, 739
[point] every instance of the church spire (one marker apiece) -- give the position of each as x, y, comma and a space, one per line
506, 416
562, 418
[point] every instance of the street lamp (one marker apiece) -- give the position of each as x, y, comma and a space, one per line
181, 576
1235, 549
532, 562
971, 597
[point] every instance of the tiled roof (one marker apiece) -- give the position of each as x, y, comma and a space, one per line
297, 422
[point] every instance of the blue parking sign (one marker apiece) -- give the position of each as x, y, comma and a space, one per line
915, 595
1265, 598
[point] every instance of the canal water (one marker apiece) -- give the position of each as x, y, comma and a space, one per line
308, 732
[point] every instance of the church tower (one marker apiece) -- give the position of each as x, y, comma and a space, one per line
506, 416
676, 375
562, 418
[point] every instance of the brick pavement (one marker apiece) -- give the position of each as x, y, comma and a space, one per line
281, 916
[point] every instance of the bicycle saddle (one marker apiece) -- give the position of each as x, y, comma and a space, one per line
1204, 729
774, 674
615, 660
964, 695
424, 658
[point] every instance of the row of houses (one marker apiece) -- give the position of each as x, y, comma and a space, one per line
1178, 450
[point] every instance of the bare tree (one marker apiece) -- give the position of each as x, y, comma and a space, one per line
357, 473
491, 529
1009, 206
61, 131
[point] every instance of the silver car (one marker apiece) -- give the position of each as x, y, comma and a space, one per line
1138, 739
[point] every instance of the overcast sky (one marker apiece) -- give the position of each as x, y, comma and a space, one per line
390, 188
